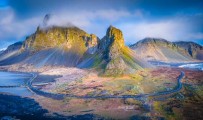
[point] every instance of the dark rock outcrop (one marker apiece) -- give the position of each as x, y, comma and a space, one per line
195, 50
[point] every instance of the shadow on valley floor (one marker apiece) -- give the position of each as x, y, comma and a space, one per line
45, 78
15, 107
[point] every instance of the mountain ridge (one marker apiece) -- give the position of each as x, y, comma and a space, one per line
195, 50
113, 56
73, 47
158, 49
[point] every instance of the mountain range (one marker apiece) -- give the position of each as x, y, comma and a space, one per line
73, 47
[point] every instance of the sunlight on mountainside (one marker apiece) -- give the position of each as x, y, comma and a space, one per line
101, 60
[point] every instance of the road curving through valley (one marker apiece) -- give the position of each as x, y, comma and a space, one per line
62, 96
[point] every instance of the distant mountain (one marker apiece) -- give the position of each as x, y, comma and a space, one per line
13, 54
195, 50
157, 49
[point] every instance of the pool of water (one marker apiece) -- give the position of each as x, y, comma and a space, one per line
189, 65
198, 66
14, 79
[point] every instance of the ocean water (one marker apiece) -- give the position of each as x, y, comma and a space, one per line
14, 79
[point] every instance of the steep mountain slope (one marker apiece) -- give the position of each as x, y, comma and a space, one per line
73, 47
63, 46
161, 50
59, 46
13, 54
113, 56
120, 59
195, 50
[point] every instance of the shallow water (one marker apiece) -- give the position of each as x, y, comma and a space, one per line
190, 65
198, 66
14, 79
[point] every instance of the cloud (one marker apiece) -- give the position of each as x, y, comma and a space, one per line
12, 29
195, 36
86, 18
92, 21
137, 19
170, 29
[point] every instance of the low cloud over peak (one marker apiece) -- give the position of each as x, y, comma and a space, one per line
136, 18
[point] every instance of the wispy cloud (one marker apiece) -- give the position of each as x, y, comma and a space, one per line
87, 20
13, 28
135, 22
170, 29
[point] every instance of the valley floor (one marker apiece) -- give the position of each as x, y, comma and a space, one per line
184, 104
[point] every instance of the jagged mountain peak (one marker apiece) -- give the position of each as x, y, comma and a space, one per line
120, 59
56, 36
73, 47
56, 46
113, 57
115, 35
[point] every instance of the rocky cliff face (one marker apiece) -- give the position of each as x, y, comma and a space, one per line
92, 43
161, 50
195, 50
53, 45
69, 38
57, 37
113, 57
113, 46
60, 46
119, 58
115, 42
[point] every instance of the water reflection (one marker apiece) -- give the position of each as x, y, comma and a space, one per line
14, 79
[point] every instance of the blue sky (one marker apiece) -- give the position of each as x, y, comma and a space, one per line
170, 19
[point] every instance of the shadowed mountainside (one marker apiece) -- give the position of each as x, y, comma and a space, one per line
73, 47
60, 46
195, 50
113, 56
13, 54
160, 50
53, 46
